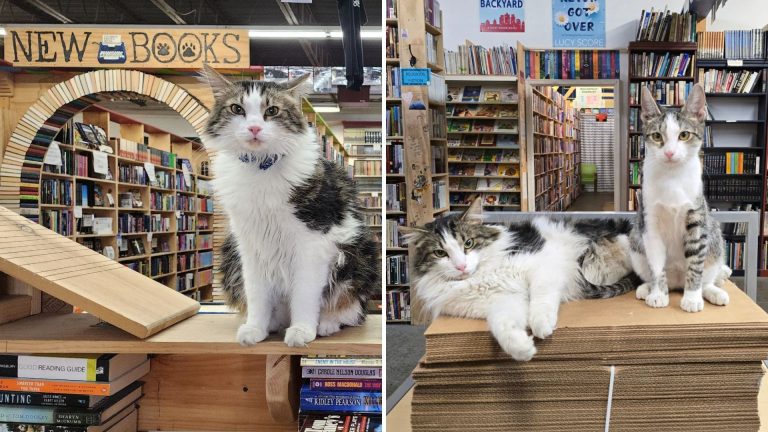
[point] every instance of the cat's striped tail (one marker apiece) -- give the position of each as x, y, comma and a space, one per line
623, 286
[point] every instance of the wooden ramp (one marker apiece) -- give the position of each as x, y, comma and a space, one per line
81, 277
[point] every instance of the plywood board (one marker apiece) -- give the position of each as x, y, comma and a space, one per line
92, 282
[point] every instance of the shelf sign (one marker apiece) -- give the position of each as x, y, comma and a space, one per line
126, 47
735, 63
578, 24
415, 76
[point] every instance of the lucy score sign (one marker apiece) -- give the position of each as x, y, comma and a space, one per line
126, 47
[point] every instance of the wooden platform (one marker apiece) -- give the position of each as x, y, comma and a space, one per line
199, 334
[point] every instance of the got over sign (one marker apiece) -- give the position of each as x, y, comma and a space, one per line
50, 46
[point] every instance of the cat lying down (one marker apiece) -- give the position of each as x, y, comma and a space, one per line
516, 276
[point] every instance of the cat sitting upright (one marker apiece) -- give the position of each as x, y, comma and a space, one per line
298, 256
516, 276
675, 241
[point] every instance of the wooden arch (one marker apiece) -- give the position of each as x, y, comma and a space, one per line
22, 161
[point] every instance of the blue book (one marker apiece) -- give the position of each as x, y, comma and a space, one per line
335, 401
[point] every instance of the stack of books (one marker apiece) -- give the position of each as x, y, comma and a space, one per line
71, 393
340, 391
666, 26
611, 364
733, 44
476, 60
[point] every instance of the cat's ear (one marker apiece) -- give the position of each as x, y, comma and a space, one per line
214, 79
648, 105
410, 233
474, 214
298, 87
696, 105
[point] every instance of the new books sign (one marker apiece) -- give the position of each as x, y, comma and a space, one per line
578, 23
506, 16
44, 46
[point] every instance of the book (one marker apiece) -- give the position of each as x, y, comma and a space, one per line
492, 96
341, 372
340, 361
48, 399
507, 141
345, 385
104, 410
471, 94
454, 94
473, 59
103, 368
331, 401
75, 387
124, 421
314, 422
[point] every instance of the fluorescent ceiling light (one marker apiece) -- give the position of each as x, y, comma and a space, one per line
327, 108
364, 34
2, 31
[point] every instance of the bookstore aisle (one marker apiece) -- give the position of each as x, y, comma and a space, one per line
113, 313
543, 114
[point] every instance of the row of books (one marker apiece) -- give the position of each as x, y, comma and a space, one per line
60, 221
666, 26
542, 164
489, 199
731, 163
204, 222
431, 47
737, 189
362, 137
392, 47
636, 147
340, 393
72, 393
439, 194
484, 140
728, 81
396, 197
131, 247
139, 266
436, 89
652, 64
472, 155
185, 222
186, 242
56, 191
391, 9
432, 13
186, 203
482, 126
392, 234
185, 282
399, 303
733, 44
159, 223
367, 167
160, 265
393, 82
734, 254
438, 159
482, 94
572, 64
437, 124
395, 158
371, 219
186, 262
506, 112
664, 92
635, 173
483, 184
397, 269
67, 165
485, 170
394, 121
473, 59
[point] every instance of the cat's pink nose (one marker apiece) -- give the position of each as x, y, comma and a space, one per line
254, 130
461, 267
669, 154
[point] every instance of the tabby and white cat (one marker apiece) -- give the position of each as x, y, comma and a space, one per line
516, 276
675, 241
298, 256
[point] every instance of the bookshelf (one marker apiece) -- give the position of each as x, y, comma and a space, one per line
647, 60
332, 147
483, 132
415, 151
555, 134
161, 229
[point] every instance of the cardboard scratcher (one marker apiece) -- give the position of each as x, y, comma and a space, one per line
45, 260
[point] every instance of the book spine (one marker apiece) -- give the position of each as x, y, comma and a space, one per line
44, 399
47, 415
341, 372
340, 362
368, 402
44, 386
348, 385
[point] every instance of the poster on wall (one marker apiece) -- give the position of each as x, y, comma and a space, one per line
578, 24
502, 16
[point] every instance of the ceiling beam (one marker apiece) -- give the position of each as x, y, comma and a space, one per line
127, 12
312, 51
50, 11
169, 11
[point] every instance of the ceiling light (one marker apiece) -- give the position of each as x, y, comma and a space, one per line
2, 32
287, 34
327, 108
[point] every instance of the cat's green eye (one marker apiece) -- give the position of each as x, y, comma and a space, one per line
684, 136
440, 253
237, 109
656, 137
272, 111
469, 244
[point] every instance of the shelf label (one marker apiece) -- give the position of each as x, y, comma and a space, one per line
149, 167
735, 63
78, 212
415, 76
100, 164
53, 154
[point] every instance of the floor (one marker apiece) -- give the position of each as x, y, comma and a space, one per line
593, 201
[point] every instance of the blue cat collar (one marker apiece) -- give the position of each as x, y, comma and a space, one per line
265, 161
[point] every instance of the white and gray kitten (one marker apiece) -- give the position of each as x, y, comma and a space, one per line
516, 276
675, 242
298, 256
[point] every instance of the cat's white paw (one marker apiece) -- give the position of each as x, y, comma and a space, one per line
517, 343
692, 301
299, 335
328, 327
542, 325
715, 295
251, 335
657, 299
642, 291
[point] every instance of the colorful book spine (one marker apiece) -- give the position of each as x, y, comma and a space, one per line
48, 415
50, 386
341, 372
345, 385
329, 401
44, 399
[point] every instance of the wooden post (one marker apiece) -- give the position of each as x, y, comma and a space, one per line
522, 137
283, 381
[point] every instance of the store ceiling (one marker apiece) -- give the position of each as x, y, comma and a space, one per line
211, 12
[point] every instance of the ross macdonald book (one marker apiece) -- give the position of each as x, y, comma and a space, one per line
339, 423
345, 385
341, 372
333, 401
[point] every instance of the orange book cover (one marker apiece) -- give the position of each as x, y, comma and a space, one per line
595, 66
52, 386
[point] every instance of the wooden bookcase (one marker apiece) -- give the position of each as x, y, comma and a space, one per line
332, 147
637, 79
172, 260
418, 139
468, 151
734, 116
555, 137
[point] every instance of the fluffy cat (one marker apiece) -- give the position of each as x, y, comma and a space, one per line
675, 242
516, 276
298, 256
